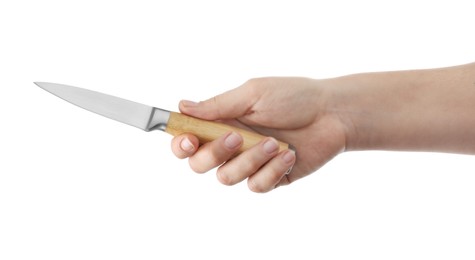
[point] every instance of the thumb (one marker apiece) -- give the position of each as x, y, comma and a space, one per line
231, 104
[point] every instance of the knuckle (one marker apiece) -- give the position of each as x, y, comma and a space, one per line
180, 155
224, 178
251, 83
275, 175
216, 103
257, 82
252, 86
255, 87
249, 167
255, 187
206, 159
196, 167
216, 152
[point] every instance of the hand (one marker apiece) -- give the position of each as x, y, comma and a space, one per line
419, 110
292, 110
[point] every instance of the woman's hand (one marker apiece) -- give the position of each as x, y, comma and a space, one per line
418, 110
292, 110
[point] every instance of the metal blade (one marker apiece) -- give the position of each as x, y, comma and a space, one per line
125, 111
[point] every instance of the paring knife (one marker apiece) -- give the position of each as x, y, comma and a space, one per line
150, 118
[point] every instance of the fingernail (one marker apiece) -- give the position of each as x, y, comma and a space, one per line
232, 141
270, 146
289, 156
188, 103
186, 145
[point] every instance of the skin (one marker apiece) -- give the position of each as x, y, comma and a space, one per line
418, 110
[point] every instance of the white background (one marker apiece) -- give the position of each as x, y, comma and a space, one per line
74, 185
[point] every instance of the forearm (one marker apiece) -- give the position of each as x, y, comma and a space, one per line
424, 110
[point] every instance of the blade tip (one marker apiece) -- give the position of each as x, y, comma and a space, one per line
43, 85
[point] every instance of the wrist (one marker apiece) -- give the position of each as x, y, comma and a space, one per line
371, 107
342, 104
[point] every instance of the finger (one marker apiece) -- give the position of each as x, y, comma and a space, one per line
214, 153
270, 174
231, 104
184, 145
248, 162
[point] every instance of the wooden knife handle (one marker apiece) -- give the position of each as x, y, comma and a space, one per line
208, 131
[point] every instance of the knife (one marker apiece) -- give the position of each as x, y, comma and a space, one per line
150, 118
